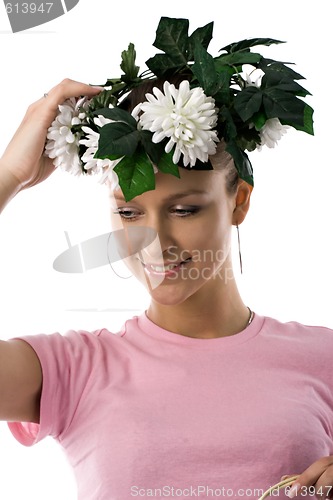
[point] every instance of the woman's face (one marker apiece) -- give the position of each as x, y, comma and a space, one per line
192, 217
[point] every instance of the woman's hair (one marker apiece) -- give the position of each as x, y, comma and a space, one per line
222, 160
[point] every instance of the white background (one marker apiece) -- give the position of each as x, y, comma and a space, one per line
286, 238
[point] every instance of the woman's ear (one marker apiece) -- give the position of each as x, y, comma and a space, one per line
242, 202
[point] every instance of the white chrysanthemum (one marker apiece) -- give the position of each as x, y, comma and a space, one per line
252, 75
185, 116
97, 165
91, 164
62, 145
271, 133
109, 176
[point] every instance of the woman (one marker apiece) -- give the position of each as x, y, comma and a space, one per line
198, 396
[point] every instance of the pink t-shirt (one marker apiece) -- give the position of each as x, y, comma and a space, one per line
147, 413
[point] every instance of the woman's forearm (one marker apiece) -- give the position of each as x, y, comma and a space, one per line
9, 186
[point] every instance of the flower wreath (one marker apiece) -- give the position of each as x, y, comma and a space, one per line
240, 96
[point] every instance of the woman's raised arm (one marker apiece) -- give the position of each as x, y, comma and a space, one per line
23, 164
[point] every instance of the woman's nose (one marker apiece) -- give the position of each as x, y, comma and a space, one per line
153, 253
131, 240
164, 239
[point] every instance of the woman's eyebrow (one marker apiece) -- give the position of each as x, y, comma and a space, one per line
185, 193
171, 197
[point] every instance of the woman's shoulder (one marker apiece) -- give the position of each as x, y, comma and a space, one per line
301, 333
298, 326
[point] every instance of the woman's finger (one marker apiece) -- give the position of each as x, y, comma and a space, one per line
324, 485
24, 154
70, 88
310, 477
46, 107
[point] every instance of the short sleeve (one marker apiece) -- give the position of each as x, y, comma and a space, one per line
67, 363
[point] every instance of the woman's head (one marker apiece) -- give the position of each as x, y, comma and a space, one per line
192, 217
222, 160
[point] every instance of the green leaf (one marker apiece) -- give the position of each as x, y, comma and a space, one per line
281, 81
116, 85
248, 139
162, 64
271, 65
153, 150
246, 145
248, 43
237, 58
128, 66
167, 166
103, 100
285, 106
204, 70
202, 36
230, 129
259, 119
116, 140
223, 97
118, 115
135, 174
242, 162
172, 38
277, 77
308, 121
248, 102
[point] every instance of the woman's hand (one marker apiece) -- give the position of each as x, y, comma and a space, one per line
315, 480
23, 159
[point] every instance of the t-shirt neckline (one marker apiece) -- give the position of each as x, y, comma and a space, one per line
156, 331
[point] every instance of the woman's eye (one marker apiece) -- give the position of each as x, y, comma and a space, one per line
185, 212
126, 214
131, 215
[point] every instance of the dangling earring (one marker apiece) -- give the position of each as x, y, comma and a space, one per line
239, 251
122, 277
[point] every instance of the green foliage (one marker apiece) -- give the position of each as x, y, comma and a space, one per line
243, 109
166, 165
172, 37
116, 140
135, 174
128, 66
247, 44
242, 162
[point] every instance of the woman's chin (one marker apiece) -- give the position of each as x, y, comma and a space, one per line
170, 296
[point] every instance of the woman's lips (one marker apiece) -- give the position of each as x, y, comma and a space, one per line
165, 269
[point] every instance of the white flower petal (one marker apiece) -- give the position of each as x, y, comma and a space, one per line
186, 116
62, 144
271, 133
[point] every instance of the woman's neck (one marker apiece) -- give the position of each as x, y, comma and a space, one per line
216, 310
